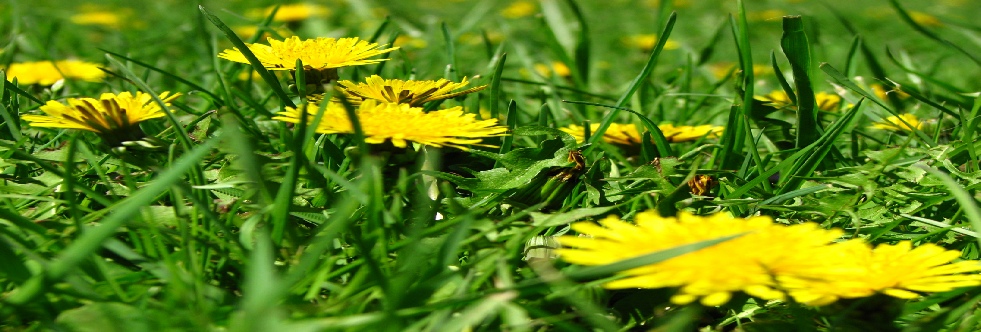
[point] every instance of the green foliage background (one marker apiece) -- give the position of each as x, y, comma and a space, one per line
243, 223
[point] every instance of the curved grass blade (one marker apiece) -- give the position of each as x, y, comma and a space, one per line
660, 141
182, 135
196, 86
594, 272
635, 84
903, 14
450, 53
581, 55
964, 198
844, 81
122, 212
781, 79
822, 147
9, 117
512, 123
798, 51
495, 88
267, 76
13, 87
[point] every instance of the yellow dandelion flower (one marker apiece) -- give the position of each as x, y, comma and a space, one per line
291, 12
48, 72
903, 123
248, 31
556, 67
746, 263
628, 134
411, 92
113, 18
825, 101
881, 92
104, 18
623, 134
647, 42
404, 40
925, 19
115, 117
854, 269
320, 53
765, 15
401, 123
519, 9
689, 133
721, 69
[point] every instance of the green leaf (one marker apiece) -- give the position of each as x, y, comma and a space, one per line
91, 240
594, 272
105, 317
798, 51
558, 219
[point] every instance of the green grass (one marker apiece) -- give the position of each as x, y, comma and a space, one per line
240, 222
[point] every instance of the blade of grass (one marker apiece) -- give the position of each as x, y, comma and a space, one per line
267, 76
601, 271
635, 84
782, 79
122, 212
660, 141
495, 88
794, 178
13, 87
878, 72
964, 198
282, 203
582, 46
798, 51
706, 53
219, 101
925, 76
844, 81
969, 128
851, 60
904, 15
450, 52
512, 123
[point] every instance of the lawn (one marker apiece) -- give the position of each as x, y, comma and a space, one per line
482, 165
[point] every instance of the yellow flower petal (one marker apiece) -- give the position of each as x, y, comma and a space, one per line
319, 53
414, 93
400, 123
48, 72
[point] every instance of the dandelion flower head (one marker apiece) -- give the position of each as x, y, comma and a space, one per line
519, 9
112, 116
291, 12
903, 123
401, 123
49, 72
557, 67
646, 42
414, 93
628, 134
825, 101
320, 53
898, 270
746, 263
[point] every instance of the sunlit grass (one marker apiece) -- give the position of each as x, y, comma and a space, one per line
232, 210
